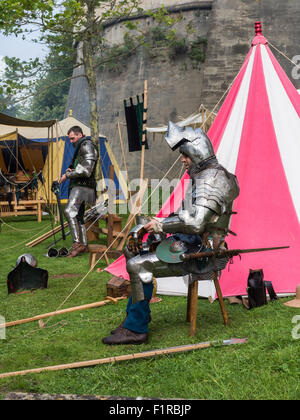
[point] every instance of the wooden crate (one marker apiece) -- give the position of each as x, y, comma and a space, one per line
117, 287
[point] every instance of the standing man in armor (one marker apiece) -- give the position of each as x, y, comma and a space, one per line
82, 189
201, 224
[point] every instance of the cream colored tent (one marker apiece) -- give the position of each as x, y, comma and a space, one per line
60, 152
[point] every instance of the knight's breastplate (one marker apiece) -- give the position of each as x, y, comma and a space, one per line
81, 159
216, 189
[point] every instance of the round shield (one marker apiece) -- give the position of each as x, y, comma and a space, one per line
170, 250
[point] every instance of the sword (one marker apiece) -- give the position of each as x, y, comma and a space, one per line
226, 253
55, 188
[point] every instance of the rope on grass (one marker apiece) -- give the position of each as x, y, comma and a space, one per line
16, 229
26, 240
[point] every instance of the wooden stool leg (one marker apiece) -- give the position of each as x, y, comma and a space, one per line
93, 260
193, 307
220, 297
106, 259
188, 307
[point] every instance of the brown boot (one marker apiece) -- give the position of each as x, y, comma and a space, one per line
124, 336
76, 249
84, 249
116, 330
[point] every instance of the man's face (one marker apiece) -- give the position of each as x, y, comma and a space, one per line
74, 137
187, 161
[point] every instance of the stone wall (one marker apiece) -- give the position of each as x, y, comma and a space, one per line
174, 92
230, 35
175, 88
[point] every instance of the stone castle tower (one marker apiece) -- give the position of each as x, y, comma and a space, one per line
212, 40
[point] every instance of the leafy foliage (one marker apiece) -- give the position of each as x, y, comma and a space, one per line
50, 92
63, 24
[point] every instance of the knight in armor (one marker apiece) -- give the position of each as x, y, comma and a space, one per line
200, 224
82, 187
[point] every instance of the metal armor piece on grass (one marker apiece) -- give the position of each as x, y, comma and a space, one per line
26, 277
30, 259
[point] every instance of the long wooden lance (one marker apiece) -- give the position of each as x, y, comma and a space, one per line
134, 356
222, 253
104, 302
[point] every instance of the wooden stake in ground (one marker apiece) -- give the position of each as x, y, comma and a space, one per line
136, 205
145, 102
63, 311
134, 356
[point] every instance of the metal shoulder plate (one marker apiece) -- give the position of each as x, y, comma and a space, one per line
88, 151
215, 189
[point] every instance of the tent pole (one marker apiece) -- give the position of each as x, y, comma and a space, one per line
58, 166
17, 151
124, 158
51, 179
57, 149
48, 169
144, 136
144, 128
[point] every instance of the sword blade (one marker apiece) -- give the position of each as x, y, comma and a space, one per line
227, 252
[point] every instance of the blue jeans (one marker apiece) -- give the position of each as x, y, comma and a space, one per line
138, 314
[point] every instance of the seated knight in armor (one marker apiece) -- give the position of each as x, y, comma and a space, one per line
201, 224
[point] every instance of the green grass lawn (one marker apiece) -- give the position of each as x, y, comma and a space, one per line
266, 367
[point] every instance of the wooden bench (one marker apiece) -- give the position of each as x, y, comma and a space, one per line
22, 208
96, 250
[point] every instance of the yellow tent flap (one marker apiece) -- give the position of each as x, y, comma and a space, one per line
51, 171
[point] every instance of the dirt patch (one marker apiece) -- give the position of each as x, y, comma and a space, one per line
64, 276
26, 396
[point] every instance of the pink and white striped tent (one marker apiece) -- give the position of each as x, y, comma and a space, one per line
256, 135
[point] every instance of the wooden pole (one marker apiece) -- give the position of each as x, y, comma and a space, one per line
133, 356
123, 151
51, 169
134, 211
192, 309
113, 359
144, 136
57, 166
48, 168
45, 236
62, 311
17, 152
110, 216
144, 129
220, 297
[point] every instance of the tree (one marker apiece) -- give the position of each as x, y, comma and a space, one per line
49, 97
81, 21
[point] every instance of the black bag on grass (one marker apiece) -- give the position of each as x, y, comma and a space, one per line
256, 289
